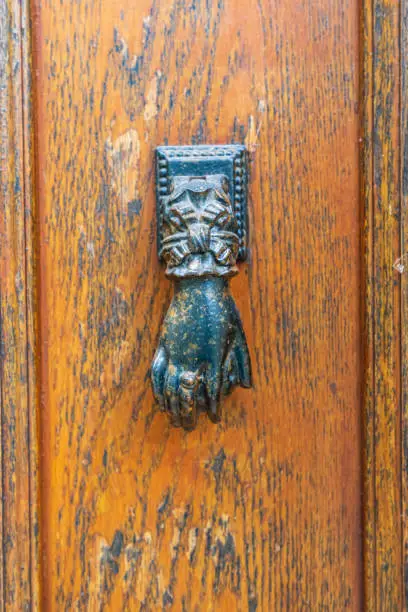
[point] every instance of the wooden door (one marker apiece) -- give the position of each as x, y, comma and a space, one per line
295, 500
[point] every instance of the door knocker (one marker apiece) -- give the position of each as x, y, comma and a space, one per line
202, 233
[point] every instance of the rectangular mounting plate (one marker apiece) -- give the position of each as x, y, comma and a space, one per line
206, 160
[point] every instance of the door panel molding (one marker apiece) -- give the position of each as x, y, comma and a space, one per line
19, 519
384, 114
384, 193
404, 291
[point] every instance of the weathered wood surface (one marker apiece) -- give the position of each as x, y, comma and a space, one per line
262, 511
403, 160
382, 104
19, 522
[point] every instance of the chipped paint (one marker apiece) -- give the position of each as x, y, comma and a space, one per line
151, 107
192, 543
253, 132
123, 159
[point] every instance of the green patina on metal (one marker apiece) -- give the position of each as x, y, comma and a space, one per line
202, 232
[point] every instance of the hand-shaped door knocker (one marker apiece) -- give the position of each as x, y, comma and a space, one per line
202, 232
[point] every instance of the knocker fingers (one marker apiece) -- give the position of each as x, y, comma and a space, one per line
188, 390
237, 365
181, 389
243, 359
159, 367
171, 398
214, 392
230, 373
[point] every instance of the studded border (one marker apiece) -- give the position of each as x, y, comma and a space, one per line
240, 173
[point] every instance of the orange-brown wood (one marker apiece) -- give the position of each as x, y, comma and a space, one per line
19, 521
384, 28
404, 302
262, 511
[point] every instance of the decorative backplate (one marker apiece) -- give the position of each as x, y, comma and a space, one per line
229, 161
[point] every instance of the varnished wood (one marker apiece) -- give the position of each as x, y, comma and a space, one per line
367, 243
381, 100
19, 521
264, 510
403, 147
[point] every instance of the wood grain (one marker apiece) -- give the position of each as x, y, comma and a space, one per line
381, 195
366, 168
403, 148
19, 521
262, 511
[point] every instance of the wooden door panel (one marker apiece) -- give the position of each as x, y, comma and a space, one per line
263, 510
